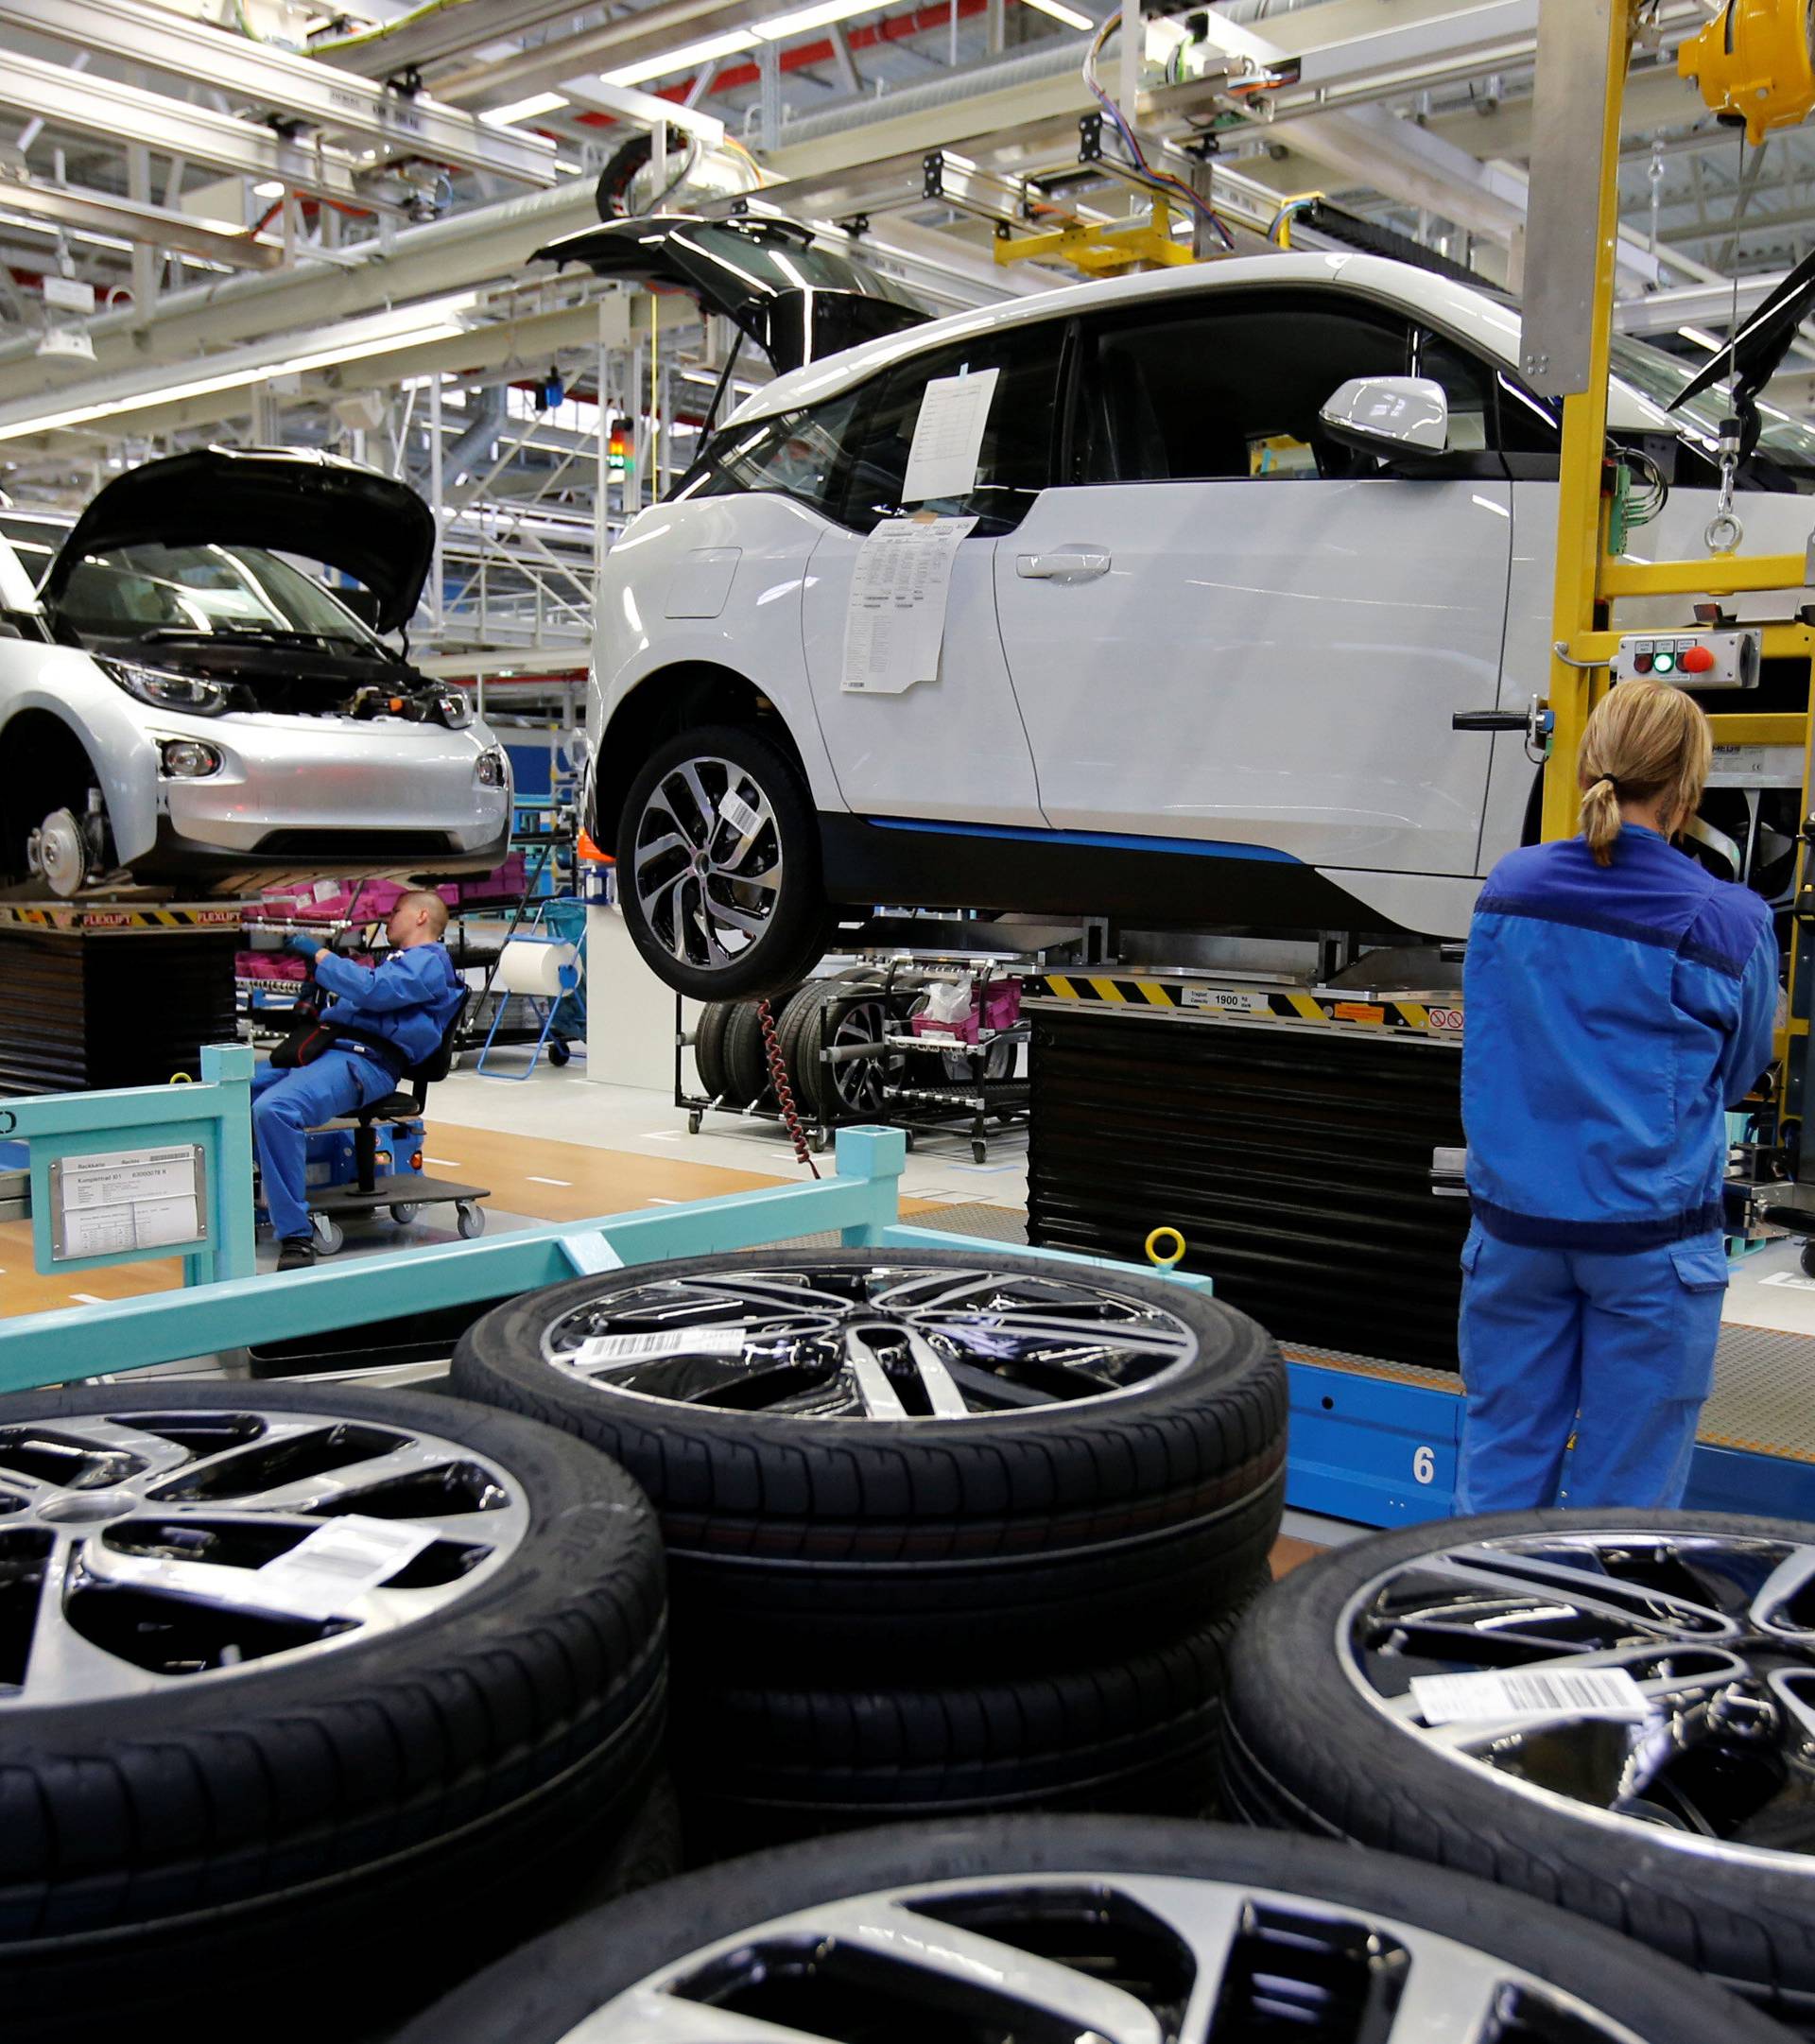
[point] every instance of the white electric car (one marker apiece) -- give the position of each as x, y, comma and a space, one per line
179, 698
1201, 648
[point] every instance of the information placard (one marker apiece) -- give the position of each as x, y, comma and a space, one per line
118, 1201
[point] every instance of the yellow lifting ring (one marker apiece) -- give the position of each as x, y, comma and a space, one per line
183, 1079
1153, 1242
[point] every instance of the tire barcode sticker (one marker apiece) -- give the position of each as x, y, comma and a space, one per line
737, 812
1581, 1692
600, 1348
338, 1563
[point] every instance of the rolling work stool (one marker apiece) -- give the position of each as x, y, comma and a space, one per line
362, 1192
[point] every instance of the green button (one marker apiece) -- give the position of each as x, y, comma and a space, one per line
1663, 664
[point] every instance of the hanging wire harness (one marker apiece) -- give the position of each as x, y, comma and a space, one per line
1159, 182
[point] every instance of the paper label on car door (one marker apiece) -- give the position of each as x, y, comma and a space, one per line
337, 1564
895, 622
602, 1348
1557, 1692
948, 437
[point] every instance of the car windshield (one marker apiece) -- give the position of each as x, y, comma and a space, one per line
1661, 377
205, 592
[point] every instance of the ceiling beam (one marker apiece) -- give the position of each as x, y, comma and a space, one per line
101, 212
387, 123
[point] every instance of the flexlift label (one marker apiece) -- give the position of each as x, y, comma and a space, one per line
1247, 1004
102, 921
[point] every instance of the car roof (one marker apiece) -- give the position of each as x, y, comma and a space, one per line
1467, 313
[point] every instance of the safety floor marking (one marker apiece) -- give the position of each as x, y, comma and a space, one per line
88, 1298
656, 1200
445, 1164
535, 1181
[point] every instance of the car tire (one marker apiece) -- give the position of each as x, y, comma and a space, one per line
197, 1794
709, 1049
728, 762
880, 1546
1309, 1745
848, 1091
767, 1766
1292, 1928
747, 1055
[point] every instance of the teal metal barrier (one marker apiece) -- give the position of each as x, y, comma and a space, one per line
213, 1115
860, 1202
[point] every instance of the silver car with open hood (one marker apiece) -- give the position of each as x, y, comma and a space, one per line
183, 696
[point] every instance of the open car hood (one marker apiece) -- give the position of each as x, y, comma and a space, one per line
797, 300
289, 500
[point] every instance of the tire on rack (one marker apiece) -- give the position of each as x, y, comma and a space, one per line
197, 1782
746, 1053
709, 1048
849, 1091
722, 908
768, 1766
1711, 1855
819, 1534
1084, 1927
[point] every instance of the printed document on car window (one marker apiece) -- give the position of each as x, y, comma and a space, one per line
896, 620
948, 437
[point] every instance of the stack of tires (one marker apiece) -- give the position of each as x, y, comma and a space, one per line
944, 1534
729, 1056
732, 1059
312, 1700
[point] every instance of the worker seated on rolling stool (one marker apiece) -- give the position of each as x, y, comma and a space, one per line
382, 1022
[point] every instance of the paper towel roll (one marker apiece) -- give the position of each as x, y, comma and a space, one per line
536, 965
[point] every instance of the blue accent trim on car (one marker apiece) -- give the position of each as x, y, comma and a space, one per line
1107, 839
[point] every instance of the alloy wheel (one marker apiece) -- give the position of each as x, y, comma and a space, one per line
871, 1341
1718, 1631
144, 1549
707, 861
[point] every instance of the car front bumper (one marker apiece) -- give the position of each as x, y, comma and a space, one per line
321, 793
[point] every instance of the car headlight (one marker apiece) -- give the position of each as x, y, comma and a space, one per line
164, 690
492, 769
454, 709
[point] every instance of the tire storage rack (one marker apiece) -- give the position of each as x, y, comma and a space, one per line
852, 1058
915, 1528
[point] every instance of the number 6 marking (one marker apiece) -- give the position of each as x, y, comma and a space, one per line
1424, 1466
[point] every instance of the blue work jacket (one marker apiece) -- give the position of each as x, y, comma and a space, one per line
1613, 1014
409, 1000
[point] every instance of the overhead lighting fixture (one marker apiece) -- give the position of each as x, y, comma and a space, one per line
1059, 12
522, 109
1702, 338
778, 27
433, 323
271, 188
687, 57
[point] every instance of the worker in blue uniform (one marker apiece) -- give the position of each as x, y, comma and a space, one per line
384, 1021
1619, 1000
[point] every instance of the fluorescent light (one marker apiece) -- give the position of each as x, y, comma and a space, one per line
733, 43
271, 188
242, 379
1070, 16
522, 109
779, 27
1702, 338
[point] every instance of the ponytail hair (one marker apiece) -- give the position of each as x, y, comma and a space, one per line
1647, 743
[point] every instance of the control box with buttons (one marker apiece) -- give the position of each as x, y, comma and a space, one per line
1690, 659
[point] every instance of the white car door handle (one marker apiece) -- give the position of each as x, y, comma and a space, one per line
1069, 564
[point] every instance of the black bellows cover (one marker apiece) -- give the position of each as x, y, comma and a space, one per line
1295, 1162
132, 1008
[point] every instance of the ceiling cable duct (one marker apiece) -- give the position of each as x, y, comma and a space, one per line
1051, 60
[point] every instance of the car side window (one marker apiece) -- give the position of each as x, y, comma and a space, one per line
1200, 391
1015, 462
797, 454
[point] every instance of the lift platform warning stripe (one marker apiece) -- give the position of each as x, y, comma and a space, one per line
1246, 1004
84, 920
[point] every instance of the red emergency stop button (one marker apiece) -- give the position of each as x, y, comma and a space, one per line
1696, 660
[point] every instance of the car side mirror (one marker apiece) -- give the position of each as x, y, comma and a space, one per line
1390, 415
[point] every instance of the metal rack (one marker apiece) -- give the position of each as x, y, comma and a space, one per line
971, 1099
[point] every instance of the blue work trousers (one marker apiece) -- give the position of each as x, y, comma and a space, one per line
1614, 1348
285, 1106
